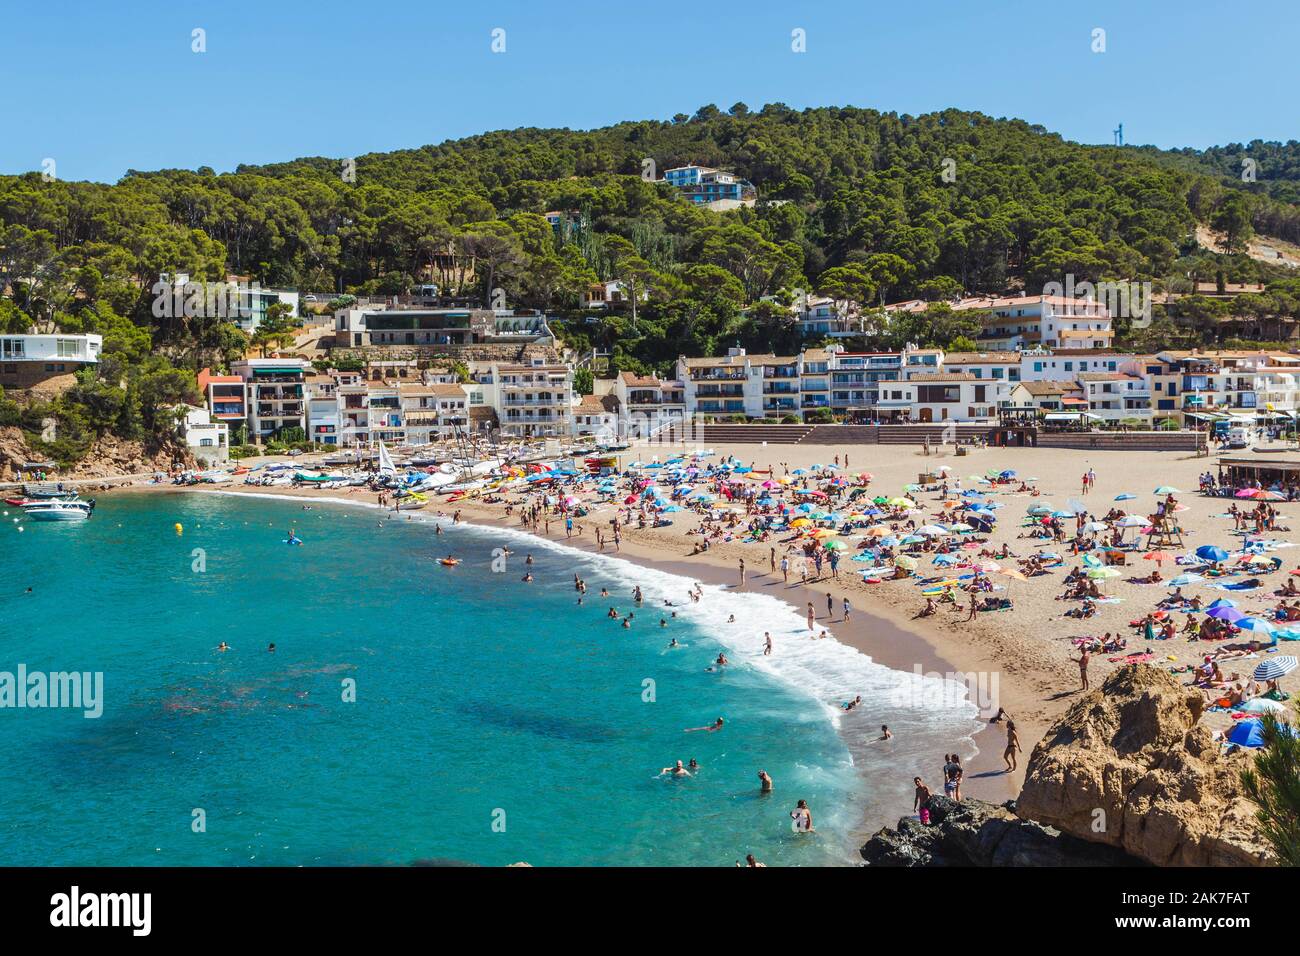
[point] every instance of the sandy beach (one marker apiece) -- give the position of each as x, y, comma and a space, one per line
1026, 654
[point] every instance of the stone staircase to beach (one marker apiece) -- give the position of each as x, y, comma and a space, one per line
755, 434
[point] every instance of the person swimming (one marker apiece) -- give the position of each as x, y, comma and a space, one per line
676, 770
223, 646
716, 725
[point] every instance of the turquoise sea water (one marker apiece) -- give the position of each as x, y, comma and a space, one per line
493, 721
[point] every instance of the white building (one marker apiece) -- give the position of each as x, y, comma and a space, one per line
647, 403
46, 363
276, 395
207, 440
947, 396
534, 400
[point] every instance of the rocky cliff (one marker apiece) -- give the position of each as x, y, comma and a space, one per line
108, 457
1129, 766
975, 833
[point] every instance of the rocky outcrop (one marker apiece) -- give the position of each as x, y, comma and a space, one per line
975, 833
108, 457
1129, 766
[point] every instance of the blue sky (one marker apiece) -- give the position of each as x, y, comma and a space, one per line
105, 87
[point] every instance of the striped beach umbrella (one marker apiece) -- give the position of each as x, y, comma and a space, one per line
1275, 667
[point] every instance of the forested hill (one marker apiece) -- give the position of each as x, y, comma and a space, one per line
1018, 206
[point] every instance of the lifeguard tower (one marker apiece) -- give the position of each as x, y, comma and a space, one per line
1165, 533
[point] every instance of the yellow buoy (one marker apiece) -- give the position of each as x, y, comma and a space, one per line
178, 527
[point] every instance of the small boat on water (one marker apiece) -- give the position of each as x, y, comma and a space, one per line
47, 490
59, 509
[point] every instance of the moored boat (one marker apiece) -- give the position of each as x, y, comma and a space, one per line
59, 509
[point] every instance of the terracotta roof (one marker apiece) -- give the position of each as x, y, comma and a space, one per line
981, 358
596, 404
948, 377
639, 381
1047, 388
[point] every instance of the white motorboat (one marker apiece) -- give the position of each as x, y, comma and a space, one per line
58, 509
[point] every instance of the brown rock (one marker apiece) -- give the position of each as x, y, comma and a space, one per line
1129, 766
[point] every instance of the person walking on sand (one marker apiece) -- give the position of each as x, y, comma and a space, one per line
974, 607
742, 572
785, 569
812, 616
1013, 746
767, 643
848, 609
830, 605
1082, 661
771, 558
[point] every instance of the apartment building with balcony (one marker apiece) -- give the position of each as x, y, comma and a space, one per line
1032, 321
815, 380
945, 396
275, 395
225, 396
1116, 396
46, 365
647, 403
723, 386
533, 400
433, 411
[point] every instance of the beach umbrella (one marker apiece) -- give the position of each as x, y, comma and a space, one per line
1187, 579
1166, 490
1131, 521
1013, 573
800, 523
1125, 497
1263, 705
904, 562
1104, 573
1222, 602
1256, 624
1275, 667
1095, 526
932, 531
672, 508
1244, 492
1212, 553
769, 484
799, 471
833, 545
1267, 496
960, 526
1158, 556
1039, 510
890, 542
878, 531
1247, 733
1229, 614
946, 559
902, 502
1062, 514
